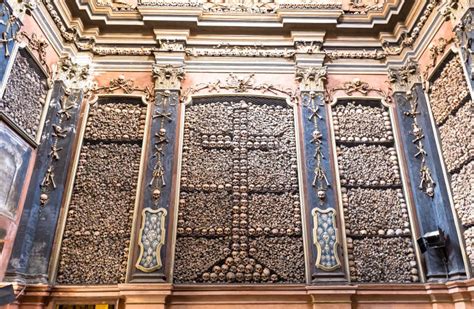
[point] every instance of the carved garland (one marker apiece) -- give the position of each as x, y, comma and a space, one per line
436, 50
357, 86
36, 44
238, 84
124, 85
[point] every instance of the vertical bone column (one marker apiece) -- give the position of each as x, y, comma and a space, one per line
324, 251
150, 256
425, 172
34, 241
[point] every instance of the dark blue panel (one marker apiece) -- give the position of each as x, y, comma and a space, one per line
432, 212
35, 237
311, 192
169, 122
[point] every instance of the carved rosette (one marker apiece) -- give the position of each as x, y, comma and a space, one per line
325, 239
168, 77
152, 238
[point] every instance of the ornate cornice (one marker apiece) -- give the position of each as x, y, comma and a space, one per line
408, 39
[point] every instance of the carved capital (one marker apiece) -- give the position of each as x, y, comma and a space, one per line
73, 75
402, 79
168, 76
311, 78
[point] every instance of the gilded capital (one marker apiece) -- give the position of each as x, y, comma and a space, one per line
168, 76
311, 78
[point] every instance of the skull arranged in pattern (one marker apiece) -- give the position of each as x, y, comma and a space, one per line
239, 217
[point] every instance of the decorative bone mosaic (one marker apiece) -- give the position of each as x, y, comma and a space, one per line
377, 226
25, 94
99, 220
239, 217
448, 90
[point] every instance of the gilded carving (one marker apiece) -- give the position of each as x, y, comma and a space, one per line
375, 54
227, 50
152, 238
36, 44
364, 6
121, 84
73, 75
236, 6
325, 238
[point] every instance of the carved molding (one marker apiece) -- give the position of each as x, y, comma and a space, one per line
362, 7
116, 5
311, 78
240, 84
375, 54
408, 39
168, 76
402, 79
152, 238
253, 7
226, 50
325, 239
